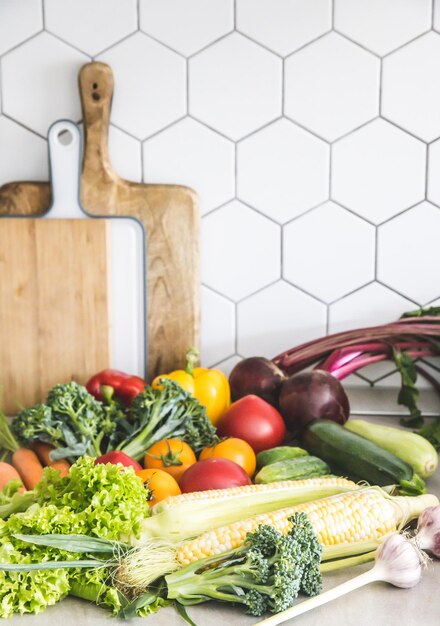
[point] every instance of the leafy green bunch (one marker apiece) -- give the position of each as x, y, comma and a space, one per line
95, 500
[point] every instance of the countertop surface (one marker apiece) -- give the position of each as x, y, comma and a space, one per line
379, 603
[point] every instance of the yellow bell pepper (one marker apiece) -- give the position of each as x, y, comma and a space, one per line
209, 386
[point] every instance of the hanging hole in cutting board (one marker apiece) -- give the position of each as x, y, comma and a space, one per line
65, 137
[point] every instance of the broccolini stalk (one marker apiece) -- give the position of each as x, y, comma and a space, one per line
266, 573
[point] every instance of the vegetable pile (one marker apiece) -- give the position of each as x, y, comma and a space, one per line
137, 496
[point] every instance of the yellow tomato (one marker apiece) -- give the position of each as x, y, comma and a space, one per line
170, 455
233, 449
161, 484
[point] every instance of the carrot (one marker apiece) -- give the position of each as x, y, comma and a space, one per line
43, 451
7, 473
28, 466
25, 461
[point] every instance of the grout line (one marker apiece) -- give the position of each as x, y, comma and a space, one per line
380, 86
427, 172
376, 251
259, 43
132, 33
68, 43
22, 42
236, 170
43, 13
187, 85
25, 126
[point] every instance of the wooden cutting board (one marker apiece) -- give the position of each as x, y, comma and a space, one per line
54, 294
170, 214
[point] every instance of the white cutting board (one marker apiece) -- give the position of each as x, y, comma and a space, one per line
127, 258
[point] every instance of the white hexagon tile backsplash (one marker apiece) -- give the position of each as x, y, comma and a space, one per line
309, 128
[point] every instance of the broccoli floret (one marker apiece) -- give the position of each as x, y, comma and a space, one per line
37, 424
71, 419
167, 413
266, 573
256, 602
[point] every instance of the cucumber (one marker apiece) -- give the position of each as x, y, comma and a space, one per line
410, 447
292, 469
280, 453
356, 456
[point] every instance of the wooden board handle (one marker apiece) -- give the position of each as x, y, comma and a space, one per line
96, 91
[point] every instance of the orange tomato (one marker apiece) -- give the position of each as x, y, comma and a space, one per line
161, 484
170, 455
234, 449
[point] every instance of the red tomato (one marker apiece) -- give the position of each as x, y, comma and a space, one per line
117, 456
256, 421
213, 474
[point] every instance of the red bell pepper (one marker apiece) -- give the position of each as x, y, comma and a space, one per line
109, 383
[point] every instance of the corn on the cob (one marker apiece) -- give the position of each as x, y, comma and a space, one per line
358, 516
286, 485
190, 514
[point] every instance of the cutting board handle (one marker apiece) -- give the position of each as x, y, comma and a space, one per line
96, 90
64, 157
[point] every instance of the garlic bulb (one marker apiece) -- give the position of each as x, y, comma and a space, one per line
428, 531
398, 562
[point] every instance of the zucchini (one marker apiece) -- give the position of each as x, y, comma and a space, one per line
410, 447
292, 469
280, 453
358, 457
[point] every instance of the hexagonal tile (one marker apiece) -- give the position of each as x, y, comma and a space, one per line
356, 310
217, 327
32, 165
283, 170
19, 20
150, 85
332, 86
284, 25
40, 82
190, 154
328, 252
101, 29
187, 25
410, 96
382, 26
378, 171
276, 319
409, 255
235, 86
433, 172
240, 250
